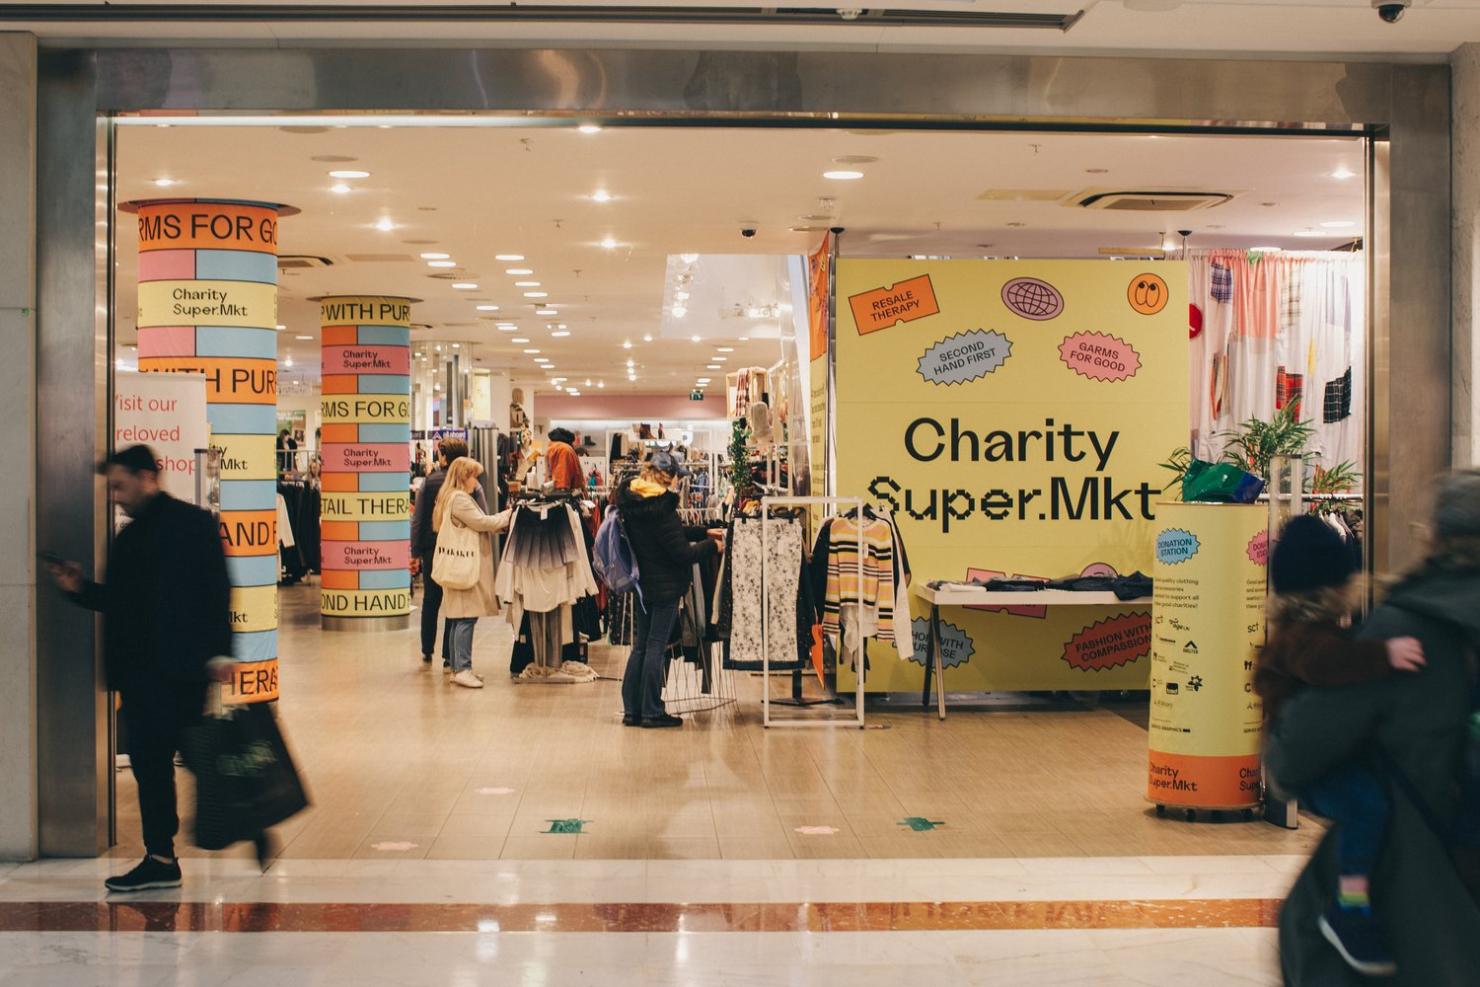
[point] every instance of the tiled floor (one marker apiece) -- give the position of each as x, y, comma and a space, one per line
402, 765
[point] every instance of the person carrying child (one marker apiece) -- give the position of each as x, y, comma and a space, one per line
1314, 571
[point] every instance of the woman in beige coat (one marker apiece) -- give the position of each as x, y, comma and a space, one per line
463, 607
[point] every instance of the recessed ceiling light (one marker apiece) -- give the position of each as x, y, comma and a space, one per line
531, 351
465, 286
506, 327
720, 359
349, 174
281, 327
457, 346
744, 339
725, 349
601, 383
165, 182
433, 255
647, 337
441, 263
519, 271
536, 294
518, 339
1266, 250
340, 189
559, 335
713, 366
1310, 233
544, 311
1340, 224
488, 308
694, 339
1343, 172
702, 380
508, 257
609, 244
562, 326
688, 258
627, 344
385, 224
542, 359
303, 337
601, 195
589, 128
526, 284
842, 175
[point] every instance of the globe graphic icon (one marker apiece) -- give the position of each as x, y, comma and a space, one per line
1033, 299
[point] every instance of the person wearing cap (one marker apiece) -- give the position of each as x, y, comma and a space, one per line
1409, 731
562, 465
665, 551
166, 606
1314, 571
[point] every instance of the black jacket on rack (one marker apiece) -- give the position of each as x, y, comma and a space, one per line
665, 549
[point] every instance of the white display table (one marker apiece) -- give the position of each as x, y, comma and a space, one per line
980, 596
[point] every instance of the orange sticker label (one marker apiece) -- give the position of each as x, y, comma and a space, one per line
883, 308
1203, 782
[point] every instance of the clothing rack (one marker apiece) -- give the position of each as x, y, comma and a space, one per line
767, 503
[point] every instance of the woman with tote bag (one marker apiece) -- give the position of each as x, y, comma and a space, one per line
463, 563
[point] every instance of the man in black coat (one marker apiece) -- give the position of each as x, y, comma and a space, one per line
424, 544
166, 606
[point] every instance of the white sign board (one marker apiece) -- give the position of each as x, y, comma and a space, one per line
167, 412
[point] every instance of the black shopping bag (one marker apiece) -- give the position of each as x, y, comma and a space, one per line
245, 780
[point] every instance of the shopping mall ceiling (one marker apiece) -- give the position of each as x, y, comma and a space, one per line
596, 216
1350, 28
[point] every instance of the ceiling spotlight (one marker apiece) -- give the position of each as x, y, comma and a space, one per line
688, 258
349, 174
588, 381
518, 339
609, 244
545, 311
720, 359
542, 359
627, 345
340, 189
724, 349
457, 346
165, 182
647, 337
630, 363
441, 263
526, 284
518, 271
601, 195
435, 256
559, 335
842, 175
536, 294
465, 286
281, 327
488, 308
506, 327
694, 339
713, 366
508, 257
702, 380
589, 128
385, 224
529, 351
601, 383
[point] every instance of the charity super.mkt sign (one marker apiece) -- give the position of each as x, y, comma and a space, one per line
1011, 415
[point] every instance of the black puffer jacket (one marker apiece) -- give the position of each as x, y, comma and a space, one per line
666, 550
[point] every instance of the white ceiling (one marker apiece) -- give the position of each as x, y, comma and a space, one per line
476, 192
1429, 31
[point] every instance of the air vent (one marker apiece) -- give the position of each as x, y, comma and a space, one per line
1151, 201
379, 258
298, 262
1025, 195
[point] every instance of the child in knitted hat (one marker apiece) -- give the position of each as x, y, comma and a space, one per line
1313, 569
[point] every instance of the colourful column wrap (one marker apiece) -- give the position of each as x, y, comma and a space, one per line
366, 441
208, 303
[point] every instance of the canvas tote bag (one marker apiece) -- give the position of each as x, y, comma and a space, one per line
457, 563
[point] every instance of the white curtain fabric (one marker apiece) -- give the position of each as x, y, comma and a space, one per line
1279, 329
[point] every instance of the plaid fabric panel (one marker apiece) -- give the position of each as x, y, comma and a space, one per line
1288, 390
1222, 283
1338, 399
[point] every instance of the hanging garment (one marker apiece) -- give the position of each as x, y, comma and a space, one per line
873, 591
788, 617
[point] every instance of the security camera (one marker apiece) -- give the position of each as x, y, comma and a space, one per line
1391, 11
747, 231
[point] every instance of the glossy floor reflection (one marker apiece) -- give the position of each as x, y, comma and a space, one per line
402, 765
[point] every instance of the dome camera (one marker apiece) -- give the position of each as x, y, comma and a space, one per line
747, 231
1391, 11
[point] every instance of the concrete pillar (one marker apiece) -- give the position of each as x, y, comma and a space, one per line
18, 813
1465, 175
208, 303
365, 522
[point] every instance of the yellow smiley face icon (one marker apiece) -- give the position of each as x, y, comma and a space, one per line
1147, 293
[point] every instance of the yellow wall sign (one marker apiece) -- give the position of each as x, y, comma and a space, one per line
1012, 415
1208, 620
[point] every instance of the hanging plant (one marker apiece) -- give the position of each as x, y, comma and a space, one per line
740, 477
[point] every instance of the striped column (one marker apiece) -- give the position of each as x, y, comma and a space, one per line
365, 525
208, 303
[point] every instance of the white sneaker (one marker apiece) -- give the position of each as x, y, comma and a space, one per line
467, 679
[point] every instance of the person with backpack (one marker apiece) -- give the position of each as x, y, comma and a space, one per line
664, 551
462, 563
1412, 731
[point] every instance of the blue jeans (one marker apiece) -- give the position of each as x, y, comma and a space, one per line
1354, 799
642, 683
460, 637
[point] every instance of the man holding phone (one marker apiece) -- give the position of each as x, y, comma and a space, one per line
166, 606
